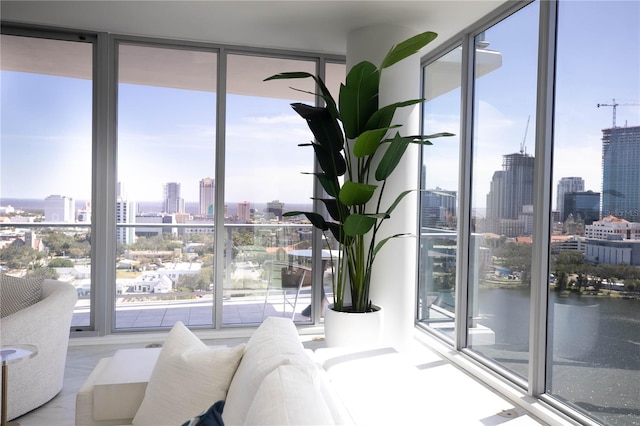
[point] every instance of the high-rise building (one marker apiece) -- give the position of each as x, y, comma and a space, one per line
438, 208
621, 173
275, 208
585, 205
565, 185
59, 208
244, 212
207, 196
125, 213
173, 203
83, 214
512, 187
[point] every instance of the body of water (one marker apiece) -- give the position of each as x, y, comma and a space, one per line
594, 348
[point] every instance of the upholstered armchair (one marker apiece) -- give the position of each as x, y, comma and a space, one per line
44, 324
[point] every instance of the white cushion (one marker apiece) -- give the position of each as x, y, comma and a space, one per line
289, 395
121, 387
18, 293
274, 343
187, 379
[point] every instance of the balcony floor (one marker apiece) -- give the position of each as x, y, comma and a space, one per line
248, 310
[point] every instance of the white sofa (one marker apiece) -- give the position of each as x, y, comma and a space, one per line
277, 382
44, 324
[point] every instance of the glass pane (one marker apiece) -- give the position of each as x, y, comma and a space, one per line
594, 302
263, 179
502, 192
45, 173
439, 199
166, 158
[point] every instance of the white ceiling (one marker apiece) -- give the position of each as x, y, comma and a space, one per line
318, 26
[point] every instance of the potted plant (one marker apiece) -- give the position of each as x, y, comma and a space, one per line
352, 144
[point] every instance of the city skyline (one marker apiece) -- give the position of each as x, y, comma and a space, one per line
54, 142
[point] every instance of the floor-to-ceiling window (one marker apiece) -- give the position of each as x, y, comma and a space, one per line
439, 193
554, 137
177, 207
266, 254
46, 157
166, 139
502, 192
593, 360
156, 169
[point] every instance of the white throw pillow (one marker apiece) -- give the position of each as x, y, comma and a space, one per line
274, 343
289, 395
18, 293
187, 379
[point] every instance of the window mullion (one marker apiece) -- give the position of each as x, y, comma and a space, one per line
464, 199
542, 198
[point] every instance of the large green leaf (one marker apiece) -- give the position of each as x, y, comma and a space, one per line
367, 143
330, 184
358, 224
397, 201
433, 136
324, 92
337, 210
407, 48
354, 193
324, 127
358, 98
392, 157
332, 163
337, 229
315, 219
382, 117
384, 241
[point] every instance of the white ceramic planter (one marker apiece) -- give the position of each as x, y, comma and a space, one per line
353, 329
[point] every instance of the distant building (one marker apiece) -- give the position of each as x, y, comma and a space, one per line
7, 210
438, 208
621, 173
163, 279
59, 208
197, 222
571, 226
125, 213
612, 228
561, 243
511, 228
207, 196
510, 191
613, 240
164, 222
83, 215
585, 205
613, 252
566, 185
244, 212
173, 203
274, 209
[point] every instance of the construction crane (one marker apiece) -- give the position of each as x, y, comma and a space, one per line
523, 148
614, 105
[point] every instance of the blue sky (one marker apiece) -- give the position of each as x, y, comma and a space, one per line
598, 60
167, 135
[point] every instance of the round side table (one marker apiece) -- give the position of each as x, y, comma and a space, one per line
11, 355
